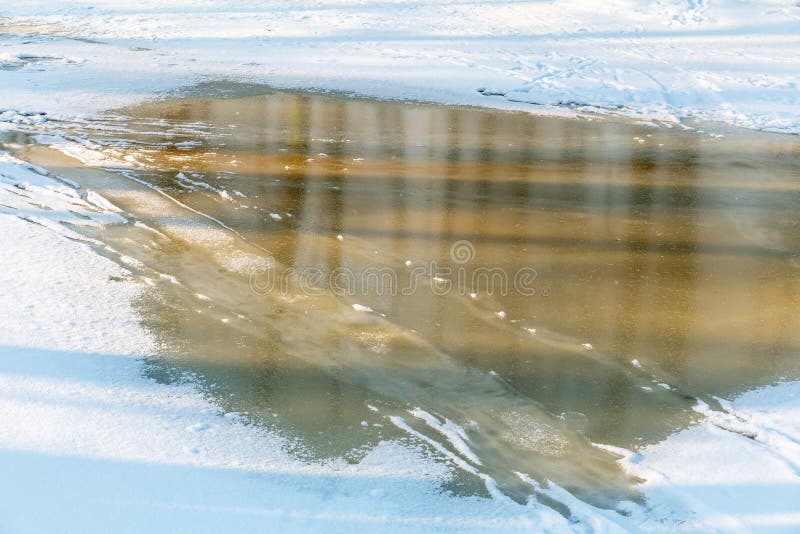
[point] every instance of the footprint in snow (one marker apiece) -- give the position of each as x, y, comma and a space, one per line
199, 427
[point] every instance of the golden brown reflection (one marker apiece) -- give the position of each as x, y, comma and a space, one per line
672, 248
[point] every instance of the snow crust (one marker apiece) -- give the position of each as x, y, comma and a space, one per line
731, 60
738, 470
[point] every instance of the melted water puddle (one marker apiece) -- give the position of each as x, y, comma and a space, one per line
503, 288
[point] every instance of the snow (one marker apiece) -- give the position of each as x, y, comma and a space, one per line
736, 471
733, 61
91, 445
451, 431
26, 191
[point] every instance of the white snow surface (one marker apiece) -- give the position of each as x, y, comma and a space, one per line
88, 444
727, 60
736, 471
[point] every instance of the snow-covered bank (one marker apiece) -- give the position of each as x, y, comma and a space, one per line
737, 471
729, 61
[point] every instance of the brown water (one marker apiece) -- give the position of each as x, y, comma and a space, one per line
574, 247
